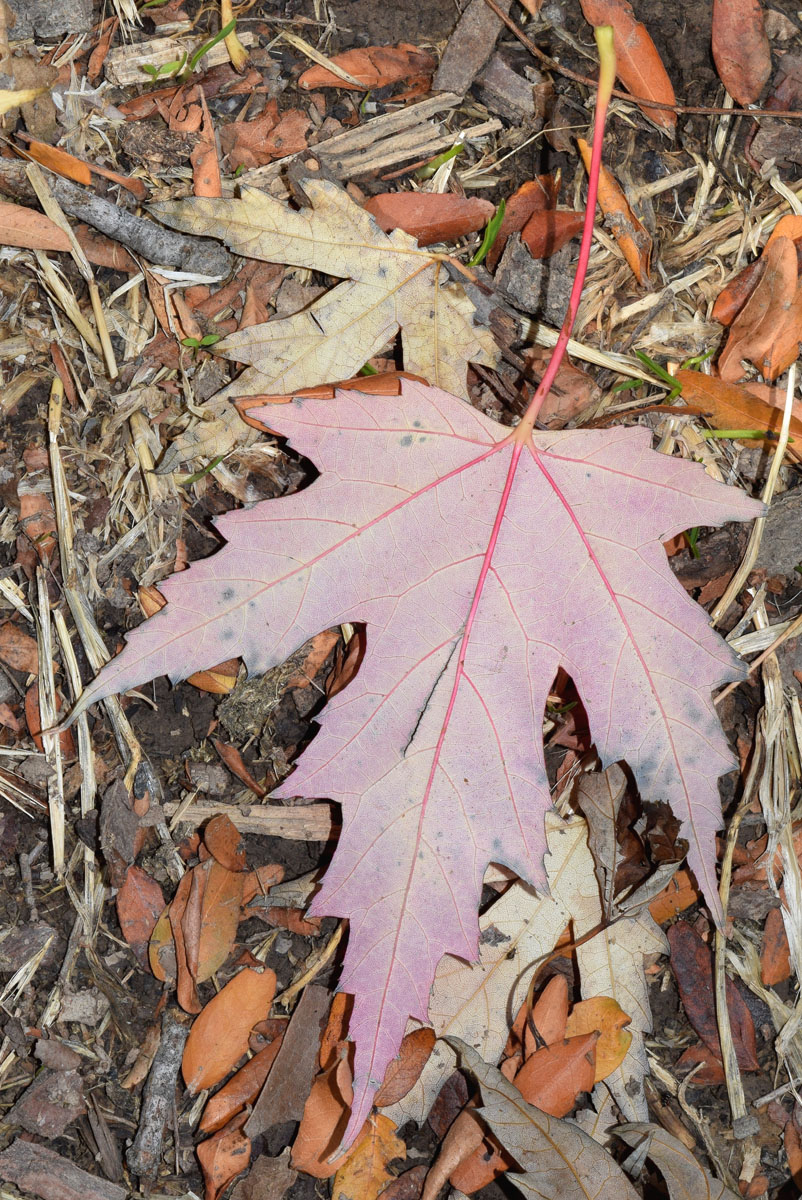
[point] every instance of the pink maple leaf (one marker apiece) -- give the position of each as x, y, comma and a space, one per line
479, 560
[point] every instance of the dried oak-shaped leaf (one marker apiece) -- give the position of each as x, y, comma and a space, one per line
685, 1178
637, 61
390, 283
741, 48
140, 903
219, 1035
364, 1174
558, 1159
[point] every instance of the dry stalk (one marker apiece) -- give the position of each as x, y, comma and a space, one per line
47, 714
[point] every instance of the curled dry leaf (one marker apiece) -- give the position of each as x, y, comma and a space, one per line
403, 1072
212, 916
241, 1089
224, 1156
632, 238
548, 231
606, 1017
684, 1176
429, 216
734, 406
741, 48
224, 842
536, 195
364, 1174
768, 329
638, 64
560, 1161
371, 67
139, 904
775, 953
323, 1123
219, 1036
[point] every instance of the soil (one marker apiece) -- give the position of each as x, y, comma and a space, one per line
266, 723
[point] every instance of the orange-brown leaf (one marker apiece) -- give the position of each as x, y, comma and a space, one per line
31, 230
224, 842
140, 903
734, 296
547, 232
323, 1124
219, 1035
549, 1014
224, 1156
634, 241
372, 67
775, 953
741, 48
403, 1072
604, 1015
638, 64
768, 328
58, 160
336, 1029
678, 894
364, 1174
219, 916
429, 216
241, 1089
260, 881
533, 196
733, 406
18, 649
161, 950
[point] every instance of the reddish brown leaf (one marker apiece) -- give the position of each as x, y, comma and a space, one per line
30, 230
33, 719
205, 166
224, 1156
429, 216
18, 649
710, 1069
775, 954
221, 902
292, 919
734, 296
735, 406
320, 647
680, 893
224, 842
403, 1072
219, 1036
324, 1121
186, 991
573, 389
692, 964
632, 238
741, 49
255, 143
260, 881
372, 67
336, 1029
547, 232
638, 64
768, 328
161, 950
533, 196
241, 1089
140, 902
233, 760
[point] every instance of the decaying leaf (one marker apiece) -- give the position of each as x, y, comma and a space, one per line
219, 1036
437, 772
604, 1015
371, 67
768, 329
735, 406
685, 1178
429, 216
559, 1160
390, 284
634, 241
139, 905
638, 63
223, 1157
741, 49
364, 1175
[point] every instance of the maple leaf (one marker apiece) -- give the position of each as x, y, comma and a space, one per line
480, 560
389, 284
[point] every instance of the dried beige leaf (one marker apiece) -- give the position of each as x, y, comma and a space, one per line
684, 1177
557, 1157
389, 283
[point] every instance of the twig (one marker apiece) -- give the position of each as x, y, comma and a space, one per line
144, 1155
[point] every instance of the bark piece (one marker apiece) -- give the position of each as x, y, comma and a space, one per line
48, 1105
44, 19
145, 1152
44, 1173
287, 1086
469, 47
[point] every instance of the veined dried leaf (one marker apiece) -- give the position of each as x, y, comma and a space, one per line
364, 1174
219, 1035
219, 916
734, 406
635, 243
29, 229
429, 216
560, 1161
741, 49
685, 1178
403, 1072
604, 1015
638, 64
371, 67
768, 329
391, 283
224, 842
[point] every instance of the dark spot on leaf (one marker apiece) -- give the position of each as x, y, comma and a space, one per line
228, 593
406, 440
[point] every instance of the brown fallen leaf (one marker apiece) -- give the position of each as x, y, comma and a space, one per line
692, 964
680, 893
735, 406
372, 67
20, 226
211, 918
548, 231
364, 1174
683, 1175
428, 216
219, 1035
269, 136
186, 990
734, 296
535, 195
260, 881
768, 328
775, 953
140, 903
224, 1156
205, 166
632, 238
638, 64
33, 719
18, 649
241, 1089
404, 1071
741, 48
323, 1124
224, 842
603, 1015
